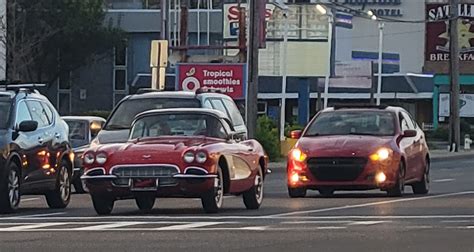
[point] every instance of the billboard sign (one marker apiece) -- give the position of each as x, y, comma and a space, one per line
229, 79
231, 19
437, 32
466, 105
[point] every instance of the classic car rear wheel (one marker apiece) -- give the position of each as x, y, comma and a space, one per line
212, 200
61, 195
10, 190
102, 205
145, 202
299, 192
254, 196
398, 189
423, 186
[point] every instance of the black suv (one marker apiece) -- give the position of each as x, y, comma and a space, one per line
117, 127
36, 155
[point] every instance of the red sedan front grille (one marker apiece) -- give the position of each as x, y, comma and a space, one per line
337, 168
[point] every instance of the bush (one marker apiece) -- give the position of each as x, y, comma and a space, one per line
267, 135
441, 133
290, 128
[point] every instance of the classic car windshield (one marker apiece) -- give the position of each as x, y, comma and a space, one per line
78, 132
178, 125
352, 123
4, 112
127, 110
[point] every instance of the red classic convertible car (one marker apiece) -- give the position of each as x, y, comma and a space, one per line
176, 153
359, 148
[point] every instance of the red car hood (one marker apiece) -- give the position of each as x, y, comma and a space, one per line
342, 146
163, 150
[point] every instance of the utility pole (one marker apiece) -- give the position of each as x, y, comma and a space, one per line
454, 122
252, 86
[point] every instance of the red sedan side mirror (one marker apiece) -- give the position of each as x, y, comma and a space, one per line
409, 133
295, 134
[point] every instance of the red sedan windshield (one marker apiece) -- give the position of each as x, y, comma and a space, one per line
352, 123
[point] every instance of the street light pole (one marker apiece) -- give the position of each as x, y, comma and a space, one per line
323, 10
284, 77
380, 62
454, 119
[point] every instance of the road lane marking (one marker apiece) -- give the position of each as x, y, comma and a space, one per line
366, 223
314, 222
370, 204
419, 227
29, 199
457, 221
32, 216
108, 226
330, 228
31, 227
263, 217
189, 226
443, 180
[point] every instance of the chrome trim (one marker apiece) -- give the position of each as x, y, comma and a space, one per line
143, 165
195, 176
84, 177
94, 169
197, 168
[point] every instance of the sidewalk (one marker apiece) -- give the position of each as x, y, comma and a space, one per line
436, 155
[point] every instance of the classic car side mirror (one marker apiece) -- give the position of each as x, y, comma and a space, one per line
233, 136
409, 133
28, 126
295, 134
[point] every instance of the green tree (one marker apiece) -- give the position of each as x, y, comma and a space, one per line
49, 38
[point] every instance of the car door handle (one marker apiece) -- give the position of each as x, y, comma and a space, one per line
251, 149
57, 135
40, 140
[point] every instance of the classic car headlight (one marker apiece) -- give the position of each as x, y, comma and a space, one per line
188, 157
381, 154
101, 158
89, 158
298, 155
201, 157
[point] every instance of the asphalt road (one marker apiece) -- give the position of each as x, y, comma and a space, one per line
350, 221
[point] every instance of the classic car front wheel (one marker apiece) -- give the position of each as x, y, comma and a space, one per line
102, 205
212, 200
254, 196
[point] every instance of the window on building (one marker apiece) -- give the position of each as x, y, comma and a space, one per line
120, 79
121, 54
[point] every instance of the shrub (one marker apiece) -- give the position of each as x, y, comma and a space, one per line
290, 128
267, 135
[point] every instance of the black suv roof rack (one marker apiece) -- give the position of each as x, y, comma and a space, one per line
208, 90
361, 106
147, 90
17, 86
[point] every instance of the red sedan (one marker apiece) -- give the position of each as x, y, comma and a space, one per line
359, 148
177, 153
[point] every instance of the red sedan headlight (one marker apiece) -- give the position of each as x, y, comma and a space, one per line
381, 154
298, 155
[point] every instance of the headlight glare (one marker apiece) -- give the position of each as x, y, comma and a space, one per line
201, 157
298, 155
188, 157
381, 155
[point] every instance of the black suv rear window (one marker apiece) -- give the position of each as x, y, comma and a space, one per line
126, 111
376, 123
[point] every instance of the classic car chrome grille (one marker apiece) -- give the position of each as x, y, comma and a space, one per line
164, 173
144, 171
337, 168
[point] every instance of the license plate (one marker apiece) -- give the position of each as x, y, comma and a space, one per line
144, 184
